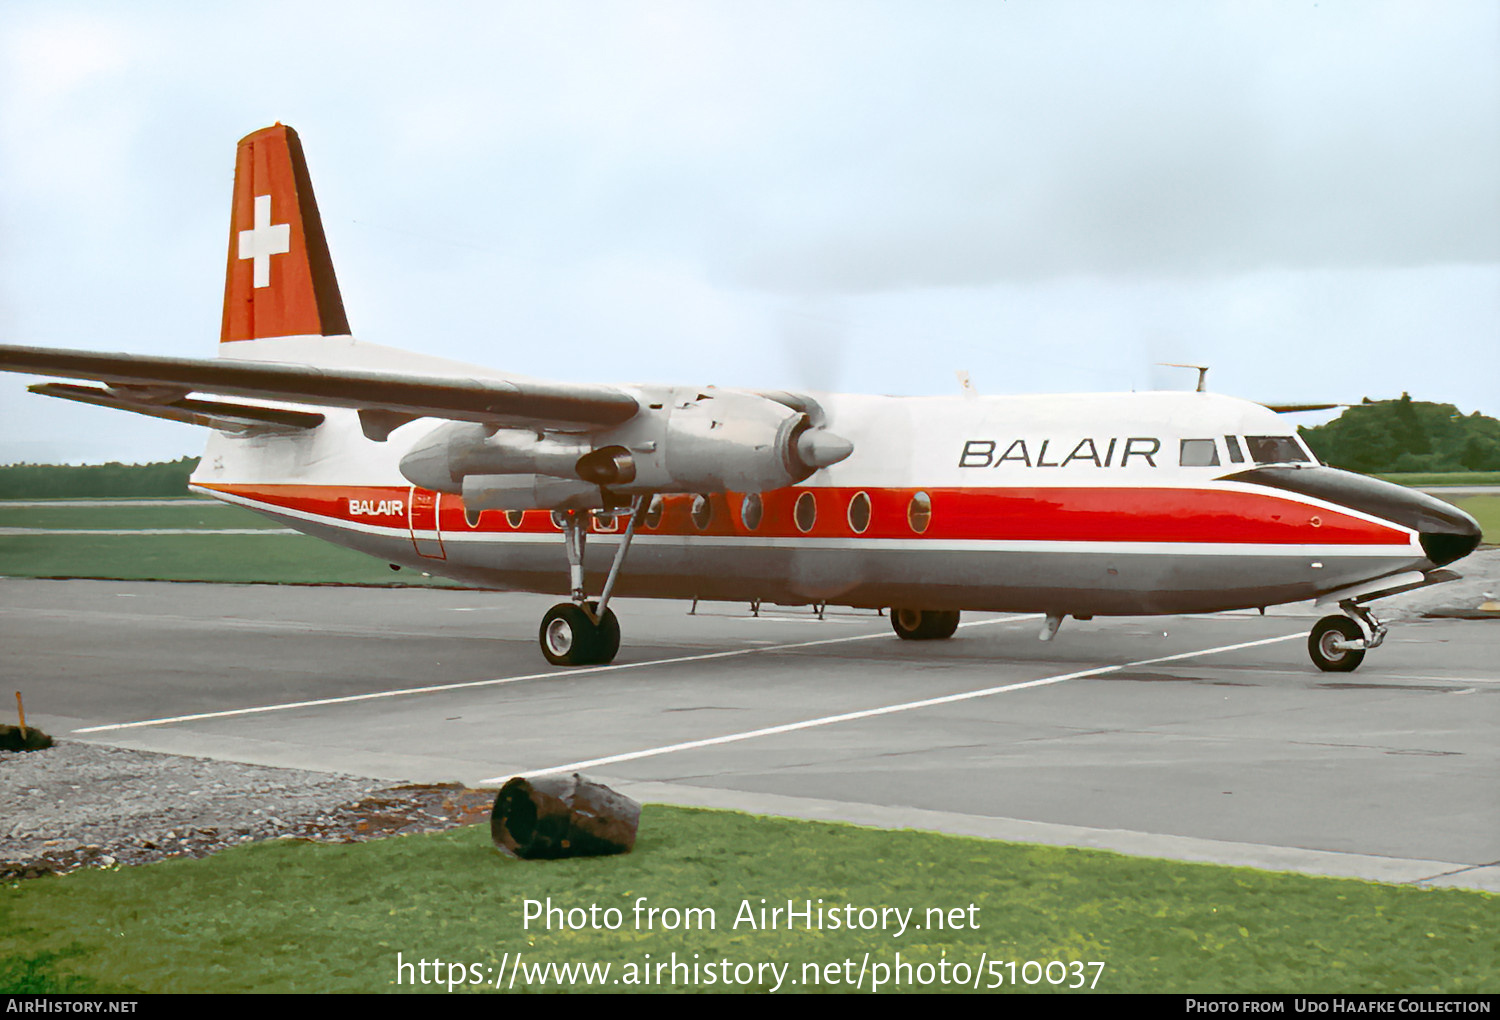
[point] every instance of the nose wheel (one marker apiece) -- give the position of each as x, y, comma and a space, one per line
1338, 644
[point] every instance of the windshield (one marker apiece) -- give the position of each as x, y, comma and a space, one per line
1275, 450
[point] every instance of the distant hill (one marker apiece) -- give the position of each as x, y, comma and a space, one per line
1407, 435
63, 481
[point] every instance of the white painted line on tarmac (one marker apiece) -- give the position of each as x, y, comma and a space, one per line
550, 675
828, 720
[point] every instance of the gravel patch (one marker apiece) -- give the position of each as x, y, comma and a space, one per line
86, 805
1480, 581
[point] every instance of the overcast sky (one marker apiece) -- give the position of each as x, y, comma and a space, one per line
853, 196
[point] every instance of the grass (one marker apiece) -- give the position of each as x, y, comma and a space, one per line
229, 559
1443, 477
124, 516
269, 558
1485, 510
294, 917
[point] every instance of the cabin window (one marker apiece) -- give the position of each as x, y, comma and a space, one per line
859, 512
703, 512
653, 512
1199, 453
559, 520
1233, 443
515, 517
1275, 450
805, 514
919, 512
750, 510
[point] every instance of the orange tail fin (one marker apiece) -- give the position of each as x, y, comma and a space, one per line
280, 278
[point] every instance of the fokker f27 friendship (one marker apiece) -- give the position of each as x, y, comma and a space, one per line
1121, 504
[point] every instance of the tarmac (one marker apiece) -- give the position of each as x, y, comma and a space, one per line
1207, 738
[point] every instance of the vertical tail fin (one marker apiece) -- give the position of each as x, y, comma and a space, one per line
280, 278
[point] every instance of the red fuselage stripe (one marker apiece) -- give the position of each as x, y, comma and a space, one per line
1115, 514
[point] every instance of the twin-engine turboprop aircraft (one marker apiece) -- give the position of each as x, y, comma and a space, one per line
1118, 504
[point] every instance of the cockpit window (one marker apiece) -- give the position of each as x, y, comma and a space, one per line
1235, 456
1275, 450
1199, 453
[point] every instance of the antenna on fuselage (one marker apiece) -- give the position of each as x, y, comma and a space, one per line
1202, 373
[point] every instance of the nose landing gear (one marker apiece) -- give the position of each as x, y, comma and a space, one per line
1338, 644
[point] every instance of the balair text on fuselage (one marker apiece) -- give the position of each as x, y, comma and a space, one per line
376, 508
1134, 450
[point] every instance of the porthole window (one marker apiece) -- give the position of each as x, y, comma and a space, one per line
750, 510
653, 512
805, 514
919, 512
703, 512
515, 517
859, 512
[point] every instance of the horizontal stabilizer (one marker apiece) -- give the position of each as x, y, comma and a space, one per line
525, 402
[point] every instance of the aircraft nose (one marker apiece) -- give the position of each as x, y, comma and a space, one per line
1452, 539
1445, 532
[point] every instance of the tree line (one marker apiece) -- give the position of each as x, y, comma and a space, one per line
63, 481
1379, 436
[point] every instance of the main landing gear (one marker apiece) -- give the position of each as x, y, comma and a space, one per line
923, 624
583, 632
1338, 644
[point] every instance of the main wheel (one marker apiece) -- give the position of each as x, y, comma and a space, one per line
924, 624
567, 636
607, 634
1322, 645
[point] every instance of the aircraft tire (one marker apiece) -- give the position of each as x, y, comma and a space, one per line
569, 638
1320, 645
924, 624
607, 636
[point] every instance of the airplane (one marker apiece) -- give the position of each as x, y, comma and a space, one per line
1062, 505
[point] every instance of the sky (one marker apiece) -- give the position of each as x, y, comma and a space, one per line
865, 197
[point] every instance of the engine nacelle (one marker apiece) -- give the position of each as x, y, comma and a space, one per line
683, 440
528, 492
460, 450
721, 441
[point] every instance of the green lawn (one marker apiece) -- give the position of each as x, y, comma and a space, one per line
1485, 510
230, 559
1444, 478
270, 557
285, 916
186, 514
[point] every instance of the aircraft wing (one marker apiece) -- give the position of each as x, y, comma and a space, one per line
1294, 408
385, 400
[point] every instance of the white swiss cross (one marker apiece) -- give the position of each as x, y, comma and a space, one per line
264, 240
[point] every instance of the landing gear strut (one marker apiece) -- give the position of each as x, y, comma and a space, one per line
1338, 644
581, 632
